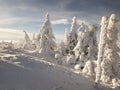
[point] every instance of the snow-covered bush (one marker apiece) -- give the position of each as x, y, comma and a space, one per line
90, 68
58, 55
61, 51
71, 59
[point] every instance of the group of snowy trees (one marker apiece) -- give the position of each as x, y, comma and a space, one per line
81, 49
43, 42
108, 66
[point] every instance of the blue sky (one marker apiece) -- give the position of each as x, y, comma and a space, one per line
29, 14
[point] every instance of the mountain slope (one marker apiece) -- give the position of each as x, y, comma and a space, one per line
30, 74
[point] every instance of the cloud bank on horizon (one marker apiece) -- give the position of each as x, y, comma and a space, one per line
29, 14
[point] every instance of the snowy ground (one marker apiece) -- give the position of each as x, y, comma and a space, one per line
23, 71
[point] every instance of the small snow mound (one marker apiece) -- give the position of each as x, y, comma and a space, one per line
77, 67
57, 56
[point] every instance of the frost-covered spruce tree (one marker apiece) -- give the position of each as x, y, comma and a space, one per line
47, 40
111, 51
90, 64
110, 54
82, 45
67, 40
81, 35
73, 34
101, 47
93, 47
86, 48
83, 26
27, 41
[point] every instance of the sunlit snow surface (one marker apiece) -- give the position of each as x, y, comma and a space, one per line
27, 71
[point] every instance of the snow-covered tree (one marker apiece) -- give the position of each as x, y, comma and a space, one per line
27, 41
47, 40
86, 48
83, 27
73, 34
101, 47
67, 40
109, 51
82, 45
93, 47
90, 64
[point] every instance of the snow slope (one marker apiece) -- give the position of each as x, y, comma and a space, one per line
20, 71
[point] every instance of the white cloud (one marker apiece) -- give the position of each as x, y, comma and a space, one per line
12, 34
15, 20
60, 21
